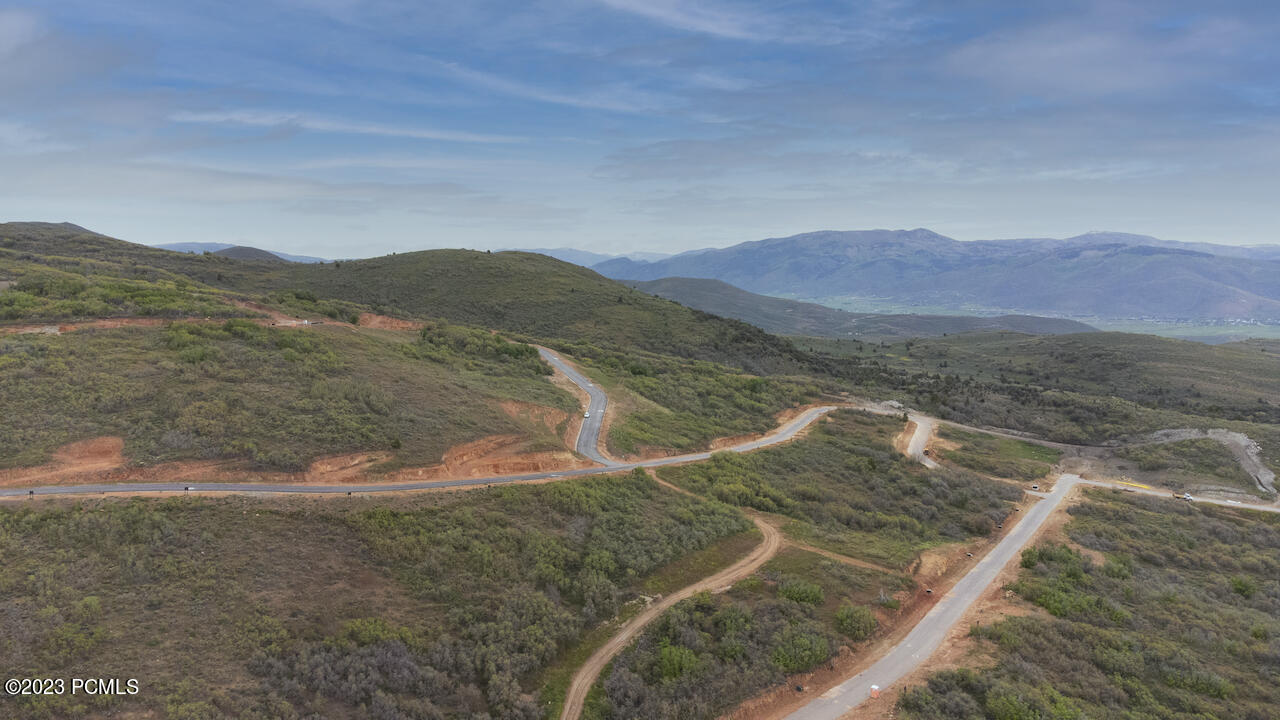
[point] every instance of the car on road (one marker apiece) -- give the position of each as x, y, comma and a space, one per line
586, 414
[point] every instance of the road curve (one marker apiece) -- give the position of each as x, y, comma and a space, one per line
588, 442
586, 676
927, 635
784, 432
924, 430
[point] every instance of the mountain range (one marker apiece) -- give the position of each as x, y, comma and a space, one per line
793, 317
1098, 275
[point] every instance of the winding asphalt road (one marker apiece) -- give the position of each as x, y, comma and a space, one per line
588, 442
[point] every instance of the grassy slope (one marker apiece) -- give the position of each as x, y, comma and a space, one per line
275, 396
1182, 621
540, 296
62, 272
670, 403
998, 456
512, 291
344, 608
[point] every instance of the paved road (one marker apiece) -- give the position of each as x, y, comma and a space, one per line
782, 434
586, 676
924, 430
588, 443
927, 635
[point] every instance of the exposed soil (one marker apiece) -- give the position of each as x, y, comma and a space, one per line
384, 322
101, 460
548, 417
494, 455
343, 468
71, 462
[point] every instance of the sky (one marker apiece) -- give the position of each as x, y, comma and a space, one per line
349, 128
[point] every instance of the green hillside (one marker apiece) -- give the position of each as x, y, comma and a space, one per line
271, 608
517, 292
275, 398
1239, 381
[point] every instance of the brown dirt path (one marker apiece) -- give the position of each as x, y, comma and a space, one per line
586, 676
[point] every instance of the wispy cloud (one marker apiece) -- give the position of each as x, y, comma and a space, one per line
700, 17
275, 119
616, 99
866, 22
20, 139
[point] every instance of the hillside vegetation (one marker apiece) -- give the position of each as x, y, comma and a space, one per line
276, 397
711, 652
284, 609
844, 488
543, 297
1092, 388
665, 403
516, 292
847, 489
1180, 621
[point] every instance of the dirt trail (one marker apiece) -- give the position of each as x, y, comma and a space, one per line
719, 582
844, 559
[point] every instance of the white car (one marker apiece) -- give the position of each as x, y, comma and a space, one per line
586, 414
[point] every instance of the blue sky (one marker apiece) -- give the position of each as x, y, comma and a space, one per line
350, 128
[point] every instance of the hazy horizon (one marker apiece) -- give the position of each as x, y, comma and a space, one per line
642, 252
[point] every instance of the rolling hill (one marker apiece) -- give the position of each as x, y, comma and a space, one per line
199, 247
82, 274
1104, 275
792, 317
241, 252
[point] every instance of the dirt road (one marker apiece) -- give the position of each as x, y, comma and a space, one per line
721, 581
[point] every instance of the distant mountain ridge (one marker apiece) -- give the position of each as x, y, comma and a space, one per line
586, 258
241, 251
792, 317
1105, 275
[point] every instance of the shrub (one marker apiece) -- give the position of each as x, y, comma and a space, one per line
857, 622
799, 650
801, 591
